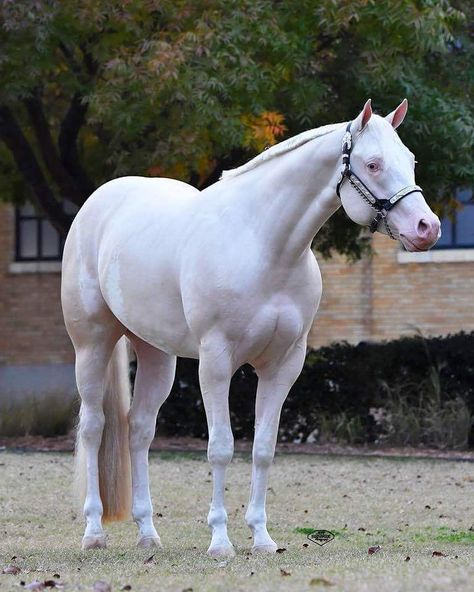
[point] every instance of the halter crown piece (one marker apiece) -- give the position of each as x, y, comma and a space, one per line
380, 205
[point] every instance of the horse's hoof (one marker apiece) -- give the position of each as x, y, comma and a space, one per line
270, 548
98, 541
221, 551
149, 542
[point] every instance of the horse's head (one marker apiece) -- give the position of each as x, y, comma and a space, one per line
378, 185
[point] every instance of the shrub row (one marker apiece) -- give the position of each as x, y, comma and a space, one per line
411, 391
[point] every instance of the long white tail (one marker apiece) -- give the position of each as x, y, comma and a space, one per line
114, 455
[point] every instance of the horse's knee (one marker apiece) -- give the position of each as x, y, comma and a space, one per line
221, 446
263, 453
141, 432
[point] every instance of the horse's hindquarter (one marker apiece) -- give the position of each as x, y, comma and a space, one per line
131, 229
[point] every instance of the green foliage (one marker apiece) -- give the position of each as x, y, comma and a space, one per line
165, 87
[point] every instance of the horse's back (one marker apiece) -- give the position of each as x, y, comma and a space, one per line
122, 206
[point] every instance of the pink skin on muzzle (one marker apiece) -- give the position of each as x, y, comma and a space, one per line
423, 235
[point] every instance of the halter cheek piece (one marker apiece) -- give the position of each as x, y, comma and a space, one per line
380, 205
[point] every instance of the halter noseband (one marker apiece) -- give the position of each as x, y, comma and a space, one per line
380, 205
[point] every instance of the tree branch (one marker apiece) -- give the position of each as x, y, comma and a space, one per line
13, 137
67, 142
49, 153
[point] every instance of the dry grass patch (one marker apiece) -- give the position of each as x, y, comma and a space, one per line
409, 508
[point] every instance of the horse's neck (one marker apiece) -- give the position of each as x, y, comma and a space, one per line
292, 196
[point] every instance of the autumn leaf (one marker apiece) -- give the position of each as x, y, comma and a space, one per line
438, 554
373, 550
263, 130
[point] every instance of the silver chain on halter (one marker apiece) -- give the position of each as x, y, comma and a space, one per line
380, 205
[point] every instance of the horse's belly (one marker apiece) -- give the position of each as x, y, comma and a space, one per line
148, 305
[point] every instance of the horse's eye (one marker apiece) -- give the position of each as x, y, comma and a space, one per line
373, 166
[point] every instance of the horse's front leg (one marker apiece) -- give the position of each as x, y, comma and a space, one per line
215, 373
274, 383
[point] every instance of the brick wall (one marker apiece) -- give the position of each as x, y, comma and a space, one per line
383, 299
31, 325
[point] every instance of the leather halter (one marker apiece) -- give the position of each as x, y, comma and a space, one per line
380, 205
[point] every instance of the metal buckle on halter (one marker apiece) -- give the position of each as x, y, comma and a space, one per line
379, 216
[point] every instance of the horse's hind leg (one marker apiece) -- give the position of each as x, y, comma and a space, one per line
153, 382
92, 358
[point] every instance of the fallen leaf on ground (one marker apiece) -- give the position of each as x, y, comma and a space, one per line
35, 585
14, 570
373, 550
101, 586
407, 558
283, 572
321, 582
438, 554
149, 560
282, 550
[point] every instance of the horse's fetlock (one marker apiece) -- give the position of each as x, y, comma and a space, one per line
93, 508
217, 517
141, 512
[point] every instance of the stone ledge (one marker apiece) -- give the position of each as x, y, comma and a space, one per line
35, 267
437, 256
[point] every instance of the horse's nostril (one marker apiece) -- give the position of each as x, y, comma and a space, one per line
423, 228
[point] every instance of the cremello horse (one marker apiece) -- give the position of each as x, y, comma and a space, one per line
225, 275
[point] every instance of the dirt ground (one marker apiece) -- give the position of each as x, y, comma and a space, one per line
416, 512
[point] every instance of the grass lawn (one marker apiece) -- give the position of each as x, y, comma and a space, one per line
409, 507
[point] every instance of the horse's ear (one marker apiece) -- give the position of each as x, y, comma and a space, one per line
395, 118
363, 118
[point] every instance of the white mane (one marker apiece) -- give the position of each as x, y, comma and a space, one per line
281, 148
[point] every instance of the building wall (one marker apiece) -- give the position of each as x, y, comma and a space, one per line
383, 298
35, 352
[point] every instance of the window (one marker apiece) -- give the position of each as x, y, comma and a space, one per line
36, 237
458, 231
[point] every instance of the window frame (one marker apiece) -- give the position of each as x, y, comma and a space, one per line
453, 244
39, 219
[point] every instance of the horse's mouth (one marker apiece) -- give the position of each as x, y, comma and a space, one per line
411, 246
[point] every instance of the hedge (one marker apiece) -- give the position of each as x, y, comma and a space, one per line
413, 391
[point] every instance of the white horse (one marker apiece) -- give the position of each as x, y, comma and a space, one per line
225, 275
